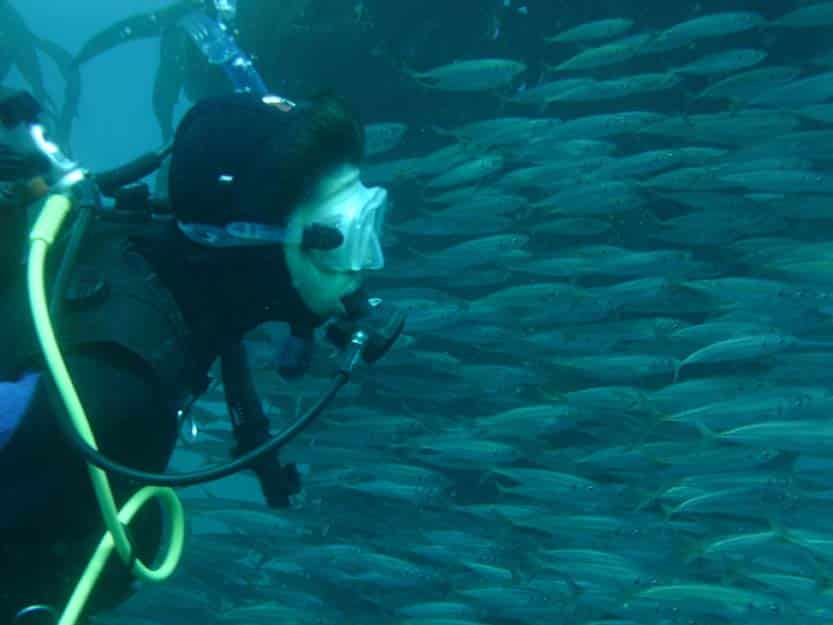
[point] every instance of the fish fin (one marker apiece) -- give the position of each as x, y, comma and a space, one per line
646, 498
501, 104
509, 528
542, 108
668, 511
656, 418
782, 532
486, 474
735, 105
692, 549
443, 132
418, 254
824, 579
734, 570
548, 72
678, 365
705, 432
537, 564
502, 489
418, 77
553, 396
576, 590
520, 577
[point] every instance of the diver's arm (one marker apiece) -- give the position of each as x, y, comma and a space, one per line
251, 428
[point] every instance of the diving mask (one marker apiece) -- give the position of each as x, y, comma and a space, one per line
357, 213
340, 229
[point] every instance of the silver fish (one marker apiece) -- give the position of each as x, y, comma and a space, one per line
380, 138
714, 25
471, 75
467, 172
592, 31
722, 62
814, 16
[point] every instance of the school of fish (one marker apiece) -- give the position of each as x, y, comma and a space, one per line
612, 404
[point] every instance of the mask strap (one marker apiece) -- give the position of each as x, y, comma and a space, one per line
243, 234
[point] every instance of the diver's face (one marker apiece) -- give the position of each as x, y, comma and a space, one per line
320, 289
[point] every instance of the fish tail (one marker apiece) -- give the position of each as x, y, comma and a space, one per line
651, 422
678, 366
646, 499
521, 576
547, 72
502, 488
705, 432
824, 579
411, 73
542, 108
443, 132
502, 100
733, 572
782, 532
692, 550
417, 77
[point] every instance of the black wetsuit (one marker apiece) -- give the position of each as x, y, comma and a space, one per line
134, 350
50, 526
146, 313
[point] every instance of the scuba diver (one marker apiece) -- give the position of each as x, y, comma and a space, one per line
19, 48
266, 220
182, 67
294, 40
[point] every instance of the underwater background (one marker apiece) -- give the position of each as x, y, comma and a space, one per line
611, 227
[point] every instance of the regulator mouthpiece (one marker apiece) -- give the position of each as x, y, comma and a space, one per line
368, 331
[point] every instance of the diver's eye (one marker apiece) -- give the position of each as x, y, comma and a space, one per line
321, 237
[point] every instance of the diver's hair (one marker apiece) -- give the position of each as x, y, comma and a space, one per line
327, 133
332, 134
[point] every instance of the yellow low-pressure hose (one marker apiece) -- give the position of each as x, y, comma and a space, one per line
43, 234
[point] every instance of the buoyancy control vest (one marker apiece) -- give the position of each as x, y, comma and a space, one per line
113, 297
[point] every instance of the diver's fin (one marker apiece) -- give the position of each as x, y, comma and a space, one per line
140, 26
72, 89
24, 55
169, 79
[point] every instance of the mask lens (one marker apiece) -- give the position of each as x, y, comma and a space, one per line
360, 220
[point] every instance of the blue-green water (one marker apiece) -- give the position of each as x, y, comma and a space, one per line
612, 404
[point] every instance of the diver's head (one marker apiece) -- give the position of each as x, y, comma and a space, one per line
247, 173
345, 218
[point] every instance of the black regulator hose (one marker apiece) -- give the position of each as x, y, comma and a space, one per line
112, 180
370, 333
246, 461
